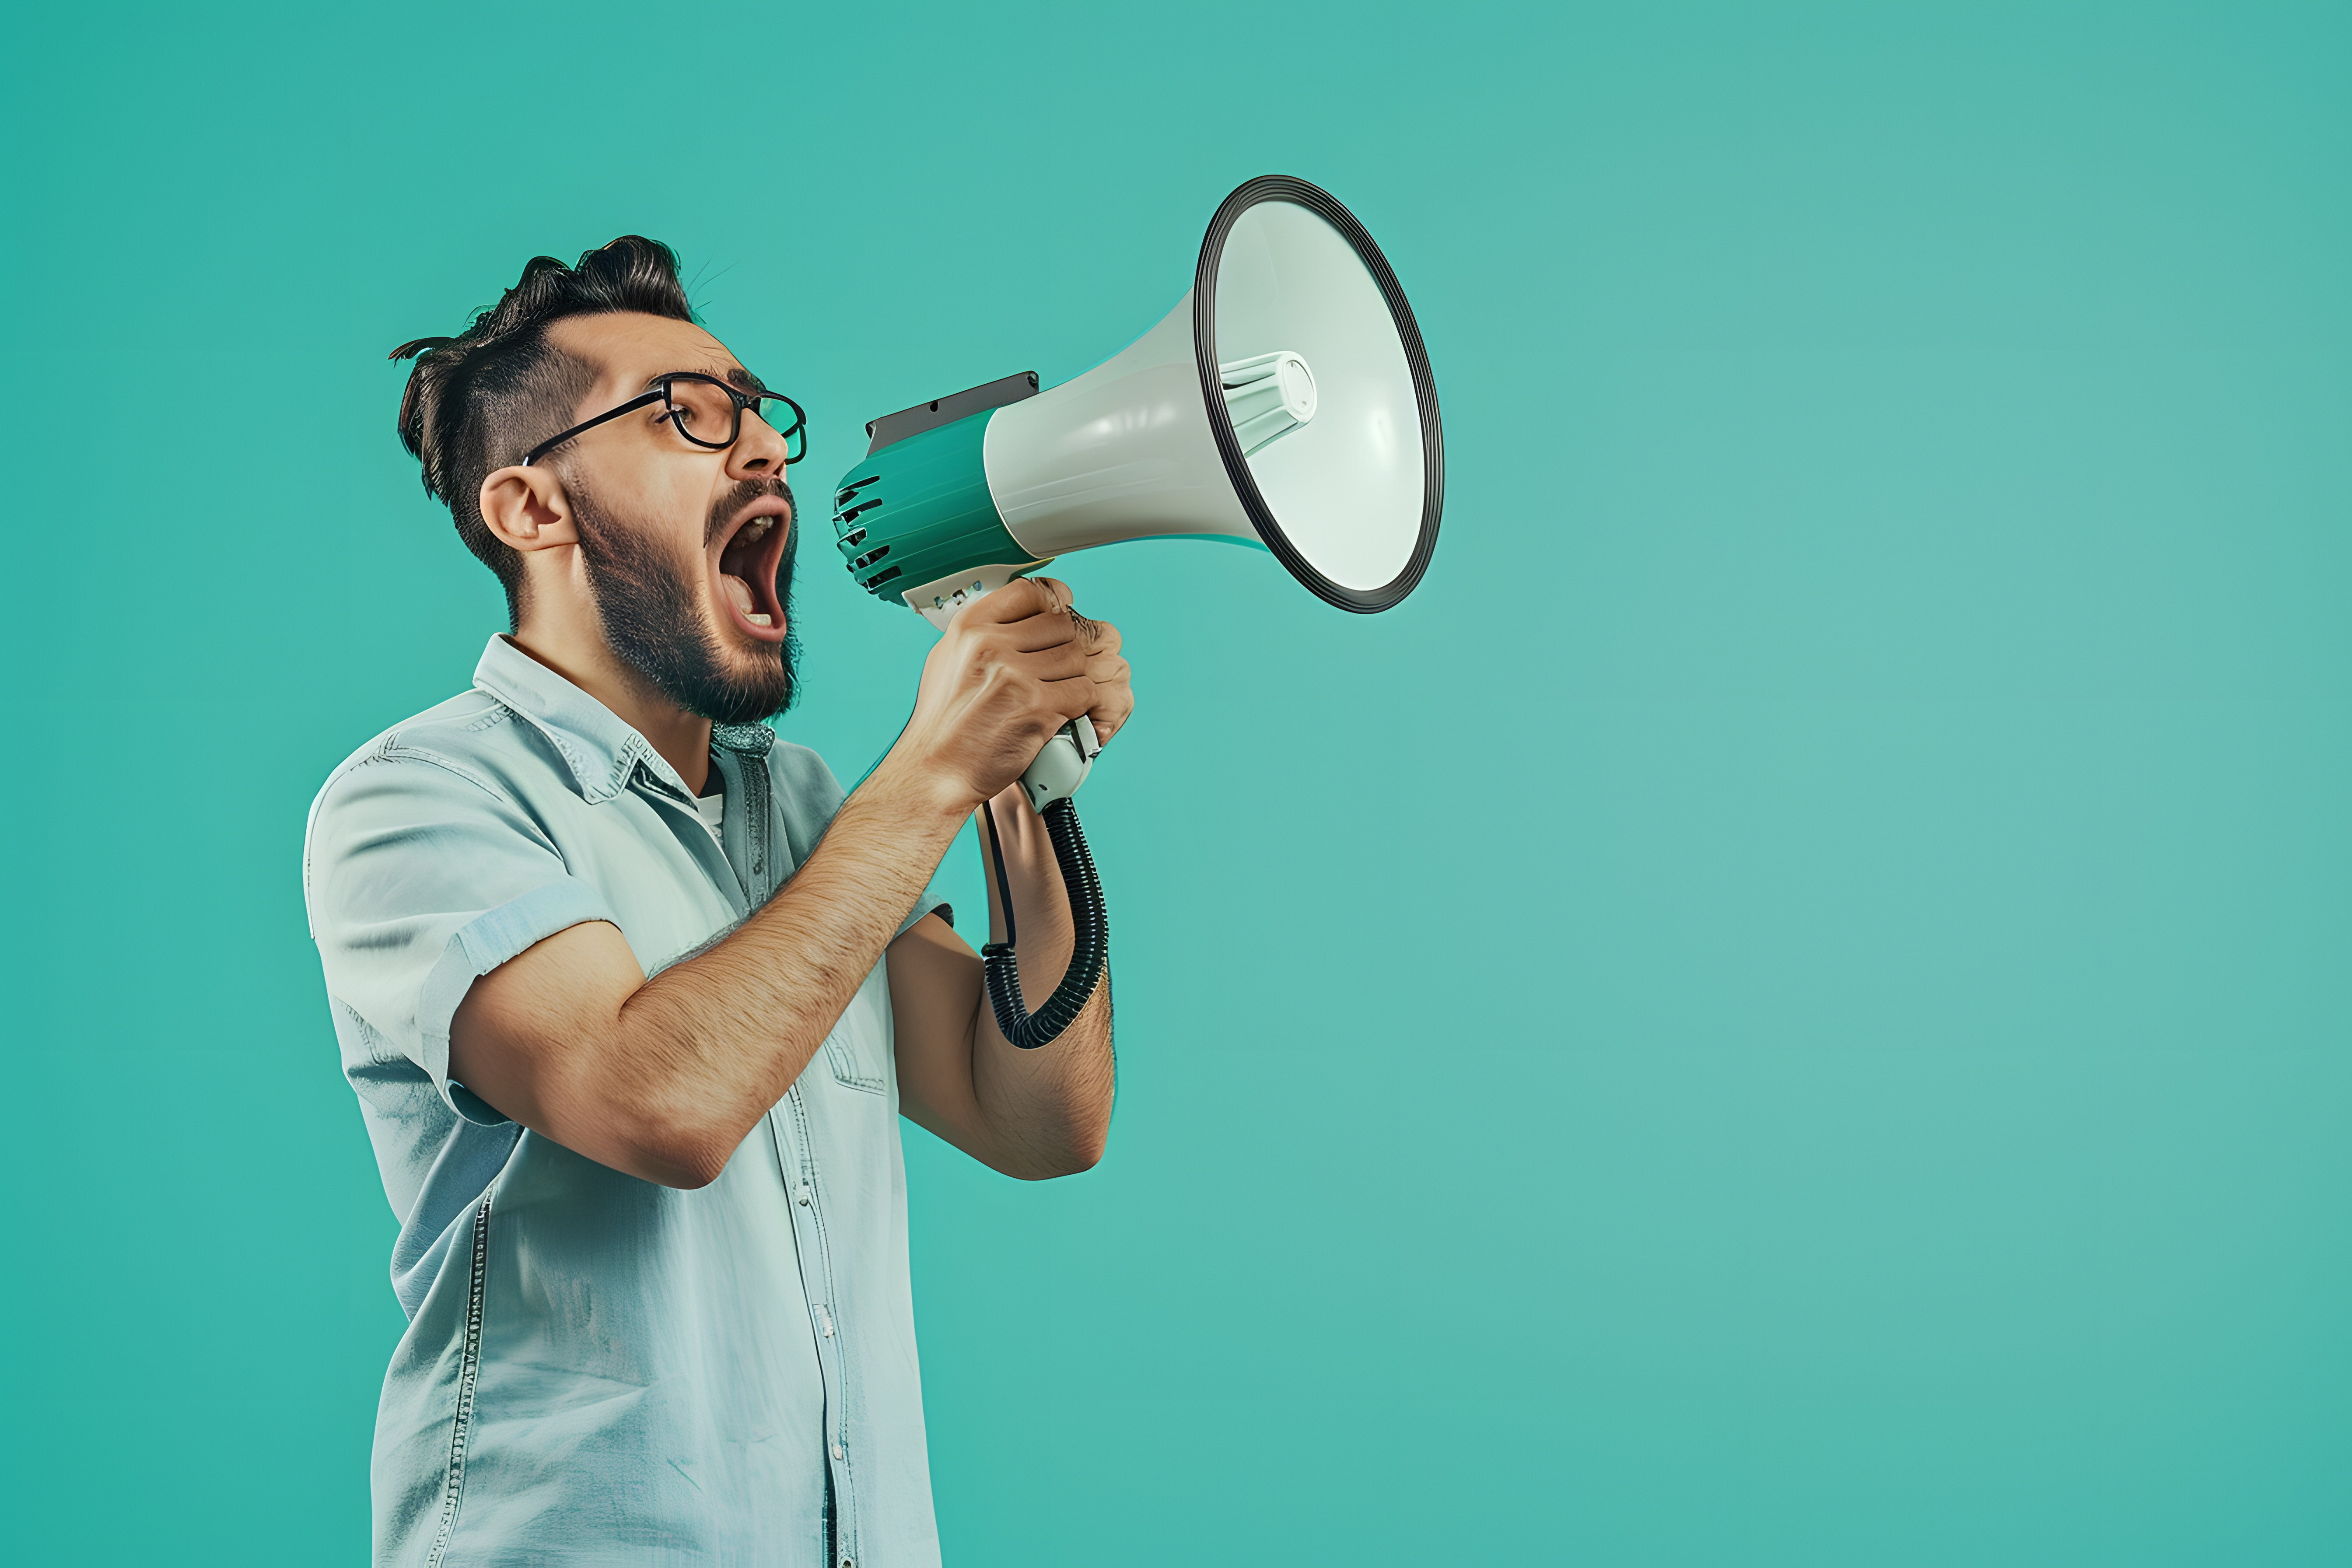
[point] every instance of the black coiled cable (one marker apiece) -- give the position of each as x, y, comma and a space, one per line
1090, 947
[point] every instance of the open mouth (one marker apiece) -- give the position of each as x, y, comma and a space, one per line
748, 559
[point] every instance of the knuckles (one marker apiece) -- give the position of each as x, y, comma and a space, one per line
1006, 699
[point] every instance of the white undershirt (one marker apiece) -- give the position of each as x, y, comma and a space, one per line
713, 808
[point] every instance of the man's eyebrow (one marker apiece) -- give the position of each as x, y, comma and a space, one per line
734, 376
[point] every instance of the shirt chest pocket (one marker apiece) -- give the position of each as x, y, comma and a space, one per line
858, 1048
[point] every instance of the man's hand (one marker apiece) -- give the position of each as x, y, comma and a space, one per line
1113, 695
1014, 667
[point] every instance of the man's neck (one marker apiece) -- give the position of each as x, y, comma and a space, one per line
683, 739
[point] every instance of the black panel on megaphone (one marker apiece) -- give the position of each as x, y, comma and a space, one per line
955, 405
1285, 401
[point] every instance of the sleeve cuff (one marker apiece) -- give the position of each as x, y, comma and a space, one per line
930, 903
473, 950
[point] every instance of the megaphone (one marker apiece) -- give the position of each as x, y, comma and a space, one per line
1285, 404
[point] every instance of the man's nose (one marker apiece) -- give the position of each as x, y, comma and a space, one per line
757, 451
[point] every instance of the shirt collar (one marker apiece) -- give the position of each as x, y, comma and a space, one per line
601, 751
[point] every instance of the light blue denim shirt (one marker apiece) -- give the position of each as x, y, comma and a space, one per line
598, 1369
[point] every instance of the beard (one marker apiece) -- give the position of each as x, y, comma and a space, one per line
653, 617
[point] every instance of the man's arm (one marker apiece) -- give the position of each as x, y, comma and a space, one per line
663, 1078
1037, 1113
1031, 1114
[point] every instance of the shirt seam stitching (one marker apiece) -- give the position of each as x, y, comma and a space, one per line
469, 1366
396, 752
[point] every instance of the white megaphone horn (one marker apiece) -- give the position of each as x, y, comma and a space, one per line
1285, 404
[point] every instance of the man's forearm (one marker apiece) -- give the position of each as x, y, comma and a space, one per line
1053, 1103
709, 1045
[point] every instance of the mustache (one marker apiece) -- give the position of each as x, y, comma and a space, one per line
743, 494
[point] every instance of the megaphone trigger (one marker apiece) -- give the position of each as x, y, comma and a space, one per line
938, 600
1063, 765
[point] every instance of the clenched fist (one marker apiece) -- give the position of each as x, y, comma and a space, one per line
1014, 667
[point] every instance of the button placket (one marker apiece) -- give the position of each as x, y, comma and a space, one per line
816, 1283
707, 844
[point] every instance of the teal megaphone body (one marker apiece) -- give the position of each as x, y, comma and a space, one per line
1286, 405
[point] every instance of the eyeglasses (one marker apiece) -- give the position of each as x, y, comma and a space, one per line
700, 407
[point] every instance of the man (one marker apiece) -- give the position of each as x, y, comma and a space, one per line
632, 997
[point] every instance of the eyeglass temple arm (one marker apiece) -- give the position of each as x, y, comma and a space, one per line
552, 442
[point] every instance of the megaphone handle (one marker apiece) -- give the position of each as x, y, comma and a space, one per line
1063, 765
1090, 935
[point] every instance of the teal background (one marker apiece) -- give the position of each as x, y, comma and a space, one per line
1791, 1007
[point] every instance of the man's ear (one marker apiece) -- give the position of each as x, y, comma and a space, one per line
527, 509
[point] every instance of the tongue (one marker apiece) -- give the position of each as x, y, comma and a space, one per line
736, 590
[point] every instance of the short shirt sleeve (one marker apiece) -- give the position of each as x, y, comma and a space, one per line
420, 880
932, 903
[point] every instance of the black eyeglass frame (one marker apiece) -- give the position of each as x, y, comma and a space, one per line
660, 394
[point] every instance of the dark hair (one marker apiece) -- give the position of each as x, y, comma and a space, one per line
478, 401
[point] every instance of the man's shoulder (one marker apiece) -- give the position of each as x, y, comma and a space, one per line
472, 745
473, 726
471, 759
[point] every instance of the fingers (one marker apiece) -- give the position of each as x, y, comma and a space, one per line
1044, 601
1037, 634
1070, 698
1017, 601
1025, 615
1102, 654
1064, 661
1099, 637
1114, 697
1021, 662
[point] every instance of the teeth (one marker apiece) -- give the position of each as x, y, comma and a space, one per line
756, 527
760, 620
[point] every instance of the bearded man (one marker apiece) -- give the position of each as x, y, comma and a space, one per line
633, 997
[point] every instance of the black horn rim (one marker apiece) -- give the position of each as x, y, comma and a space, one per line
1320, 202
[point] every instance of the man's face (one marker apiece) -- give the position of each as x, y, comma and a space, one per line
687, 551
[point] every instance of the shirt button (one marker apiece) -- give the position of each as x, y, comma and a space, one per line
804, 1195
839, 1454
